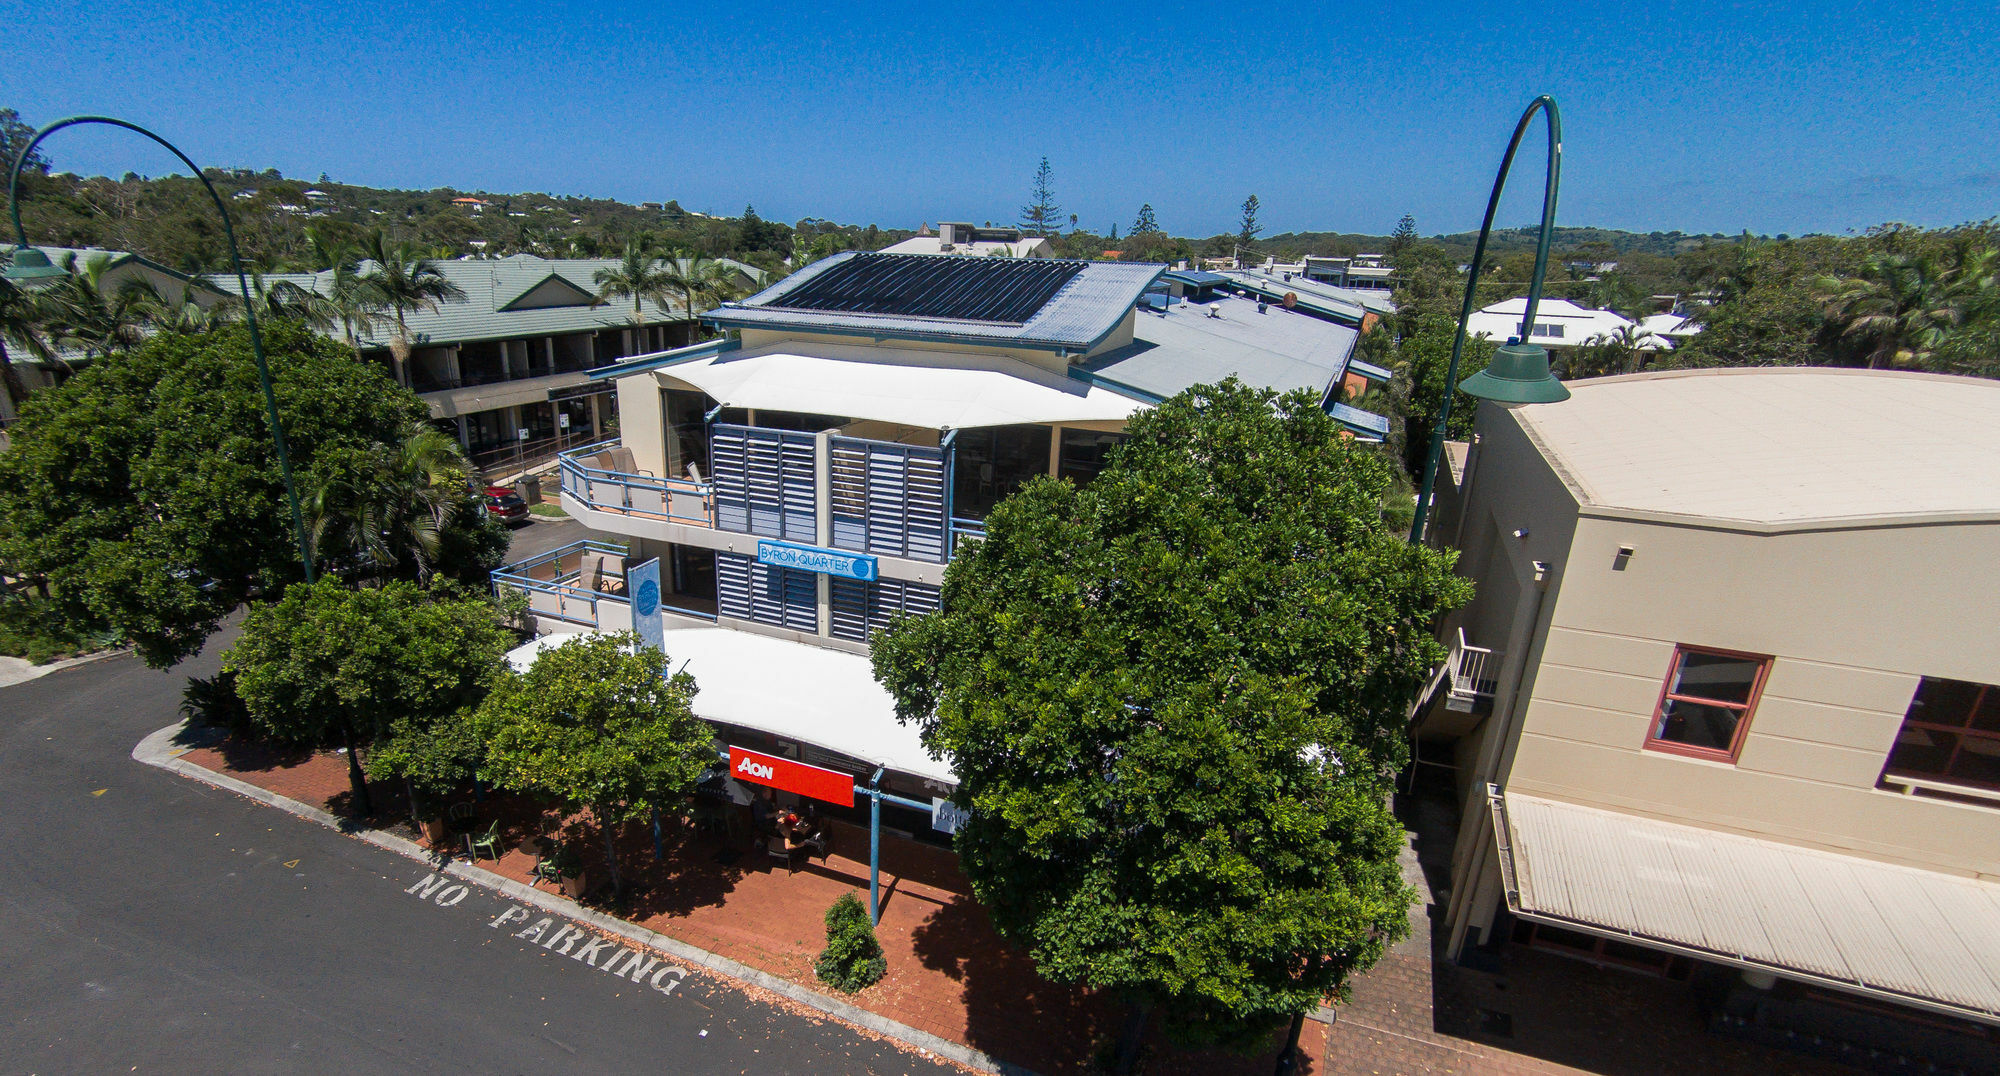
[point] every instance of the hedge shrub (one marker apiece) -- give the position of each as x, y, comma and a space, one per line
852, 959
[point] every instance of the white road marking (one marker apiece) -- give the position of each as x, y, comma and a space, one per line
563, 938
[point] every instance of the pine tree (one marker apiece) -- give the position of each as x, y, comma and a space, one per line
1405, 235
1247, 234
1042, 216
1145, 221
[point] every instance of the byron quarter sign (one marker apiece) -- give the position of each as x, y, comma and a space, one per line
812, 558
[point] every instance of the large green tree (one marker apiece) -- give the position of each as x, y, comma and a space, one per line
146, 490
328, 664
597, 722
1174, 699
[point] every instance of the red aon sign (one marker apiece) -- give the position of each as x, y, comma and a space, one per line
821, 784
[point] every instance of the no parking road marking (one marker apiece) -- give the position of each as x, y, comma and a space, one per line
563, 938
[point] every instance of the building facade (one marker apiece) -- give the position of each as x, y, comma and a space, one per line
1727, 699
788, 489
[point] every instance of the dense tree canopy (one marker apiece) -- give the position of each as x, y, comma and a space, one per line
326, 663
598, 723
146, 493
1173, 698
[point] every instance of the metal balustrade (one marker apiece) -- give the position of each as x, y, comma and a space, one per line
678, 500
556, 590
1471, 680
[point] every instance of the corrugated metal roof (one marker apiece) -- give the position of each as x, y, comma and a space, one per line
1346, 303
1076, 318
1369, 370
1278, 349
491, 284
1921, 935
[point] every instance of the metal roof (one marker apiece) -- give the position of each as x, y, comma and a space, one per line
1278, 350
1917, 936
1776, 447
1347, 304
1369, 370
493, 285
1075, 317
1199, 278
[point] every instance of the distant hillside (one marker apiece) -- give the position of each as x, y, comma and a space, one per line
1502, 241
171, 221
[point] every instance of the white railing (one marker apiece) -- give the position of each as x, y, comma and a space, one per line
679, 500
1472, 670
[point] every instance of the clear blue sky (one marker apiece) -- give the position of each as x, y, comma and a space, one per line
1789, 117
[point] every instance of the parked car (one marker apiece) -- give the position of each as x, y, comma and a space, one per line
504, 504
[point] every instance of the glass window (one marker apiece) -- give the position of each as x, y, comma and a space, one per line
1951, 734
991, 462
1084, 454
1706, 704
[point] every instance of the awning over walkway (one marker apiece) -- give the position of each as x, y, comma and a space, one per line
807, 693
928, 390
1917, 936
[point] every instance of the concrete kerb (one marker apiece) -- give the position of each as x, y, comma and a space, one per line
158, 750
19, 671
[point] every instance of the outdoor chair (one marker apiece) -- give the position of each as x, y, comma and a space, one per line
487, 843
775, 848
595, 576
545, 863
620, 460
459, 817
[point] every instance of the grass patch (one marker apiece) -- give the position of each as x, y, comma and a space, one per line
548, 510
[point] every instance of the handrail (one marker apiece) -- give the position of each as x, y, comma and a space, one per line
577, 479
590, 544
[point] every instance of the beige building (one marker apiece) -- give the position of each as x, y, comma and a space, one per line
1726, 695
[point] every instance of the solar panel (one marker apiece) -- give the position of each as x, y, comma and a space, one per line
1003, 291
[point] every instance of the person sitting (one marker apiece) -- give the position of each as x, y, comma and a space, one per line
762, 812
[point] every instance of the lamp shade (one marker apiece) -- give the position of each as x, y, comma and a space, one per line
31, 264
1518, 374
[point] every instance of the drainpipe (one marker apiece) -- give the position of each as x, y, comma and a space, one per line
1465, 883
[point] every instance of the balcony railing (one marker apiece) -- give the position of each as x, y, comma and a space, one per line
587, 476
965, 530
557, 587
1471, 670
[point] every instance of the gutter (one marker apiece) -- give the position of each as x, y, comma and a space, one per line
641, 363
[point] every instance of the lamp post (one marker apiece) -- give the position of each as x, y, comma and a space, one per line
30, 264
1519, 372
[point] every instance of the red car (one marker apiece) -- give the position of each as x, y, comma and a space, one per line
504, 504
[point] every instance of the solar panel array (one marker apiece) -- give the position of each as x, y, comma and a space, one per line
1003, 291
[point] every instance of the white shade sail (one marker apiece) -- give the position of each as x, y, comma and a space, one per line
811, 694
928, 390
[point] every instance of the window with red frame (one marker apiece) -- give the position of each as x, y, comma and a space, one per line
1951, 734
1705, 707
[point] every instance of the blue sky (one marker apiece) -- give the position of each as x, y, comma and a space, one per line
1701, 117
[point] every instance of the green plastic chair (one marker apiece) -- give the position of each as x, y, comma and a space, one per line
487, 842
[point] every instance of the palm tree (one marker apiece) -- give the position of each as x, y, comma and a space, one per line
388, 505
641, 274
400, 280
1900, 307
701, 283
21, 326
80, 311
176, 313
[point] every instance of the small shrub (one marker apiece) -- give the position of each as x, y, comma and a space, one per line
852, 959
213, 701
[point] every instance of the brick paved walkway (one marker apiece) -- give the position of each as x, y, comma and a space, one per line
949, 974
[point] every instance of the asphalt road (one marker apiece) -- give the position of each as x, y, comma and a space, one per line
153, 923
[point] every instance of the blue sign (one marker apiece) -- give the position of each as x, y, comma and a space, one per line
644, 581
811, 558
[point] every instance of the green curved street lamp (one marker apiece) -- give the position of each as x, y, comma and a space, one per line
1519, 372
30, 264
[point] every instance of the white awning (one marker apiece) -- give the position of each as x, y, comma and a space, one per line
1917, 936
811, 694
927, 389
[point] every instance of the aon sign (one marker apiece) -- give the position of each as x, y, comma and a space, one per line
817, 782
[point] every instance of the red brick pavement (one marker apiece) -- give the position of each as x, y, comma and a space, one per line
949, 973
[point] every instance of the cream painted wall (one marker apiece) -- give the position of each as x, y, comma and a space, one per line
642, 421
1852, 618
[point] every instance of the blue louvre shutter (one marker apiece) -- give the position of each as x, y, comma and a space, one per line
764, 482
888, 499
848, 483
862, 609
780, 597
727, 458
